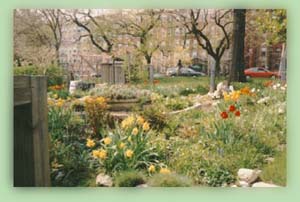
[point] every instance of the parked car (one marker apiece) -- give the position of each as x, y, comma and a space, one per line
172, 71
260, 72
190, 72
184, 71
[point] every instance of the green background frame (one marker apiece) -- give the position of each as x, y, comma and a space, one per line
9, 193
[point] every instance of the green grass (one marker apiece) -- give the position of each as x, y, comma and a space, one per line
276, 172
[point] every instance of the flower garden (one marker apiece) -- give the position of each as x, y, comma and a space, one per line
159, 143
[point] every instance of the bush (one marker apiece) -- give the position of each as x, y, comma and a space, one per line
170, 180
156, 116
55, 75
69, 160
129, 179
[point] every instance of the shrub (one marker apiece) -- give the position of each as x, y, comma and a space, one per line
96, 112
169, 180
69, 160
156, 116
55, 75
129, 179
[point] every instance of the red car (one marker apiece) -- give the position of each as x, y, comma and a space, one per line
260, 72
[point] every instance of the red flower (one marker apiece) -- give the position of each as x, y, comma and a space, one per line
232, 108
237, 113
224, 115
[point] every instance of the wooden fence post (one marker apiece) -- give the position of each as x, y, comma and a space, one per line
31, 139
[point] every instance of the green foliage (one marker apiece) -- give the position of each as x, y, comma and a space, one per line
129, 179
69, 160
156, 116
127, 147
170, 180
116, 92
55, 75
276, 172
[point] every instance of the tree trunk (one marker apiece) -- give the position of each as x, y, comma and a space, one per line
238, 61
149, 68
282, 67
213, 66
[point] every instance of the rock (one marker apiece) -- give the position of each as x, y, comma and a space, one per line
248, 175
263, 184
73, 86
263, 100
243, 184
142, 185
103, 180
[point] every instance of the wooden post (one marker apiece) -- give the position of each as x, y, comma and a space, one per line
31, 139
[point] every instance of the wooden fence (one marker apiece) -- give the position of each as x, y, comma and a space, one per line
31, 140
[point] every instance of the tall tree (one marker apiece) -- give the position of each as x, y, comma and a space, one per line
54, 20
197, 22
238, 40
140, 26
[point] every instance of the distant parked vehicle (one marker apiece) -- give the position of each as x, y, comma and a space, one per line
260, 72
190, 72
172, 71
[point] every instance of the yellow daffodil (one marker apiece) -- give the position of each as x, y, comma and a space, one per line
151, 169
146, 126
128, 153
121, 145
140, 120
135, 131
129, 139
90, 143
55, 96
107, 140
126, 123
164, 171
102, 154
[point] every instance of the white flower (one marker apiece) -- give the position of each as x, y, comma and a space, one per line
253, 90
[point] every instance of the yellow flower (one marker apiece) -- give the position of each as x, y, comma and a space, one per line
128, 153
107, 140
60, 103
226, 96
95, 153
235, 95
102, 154
126, 123
55, 96
140, 120
90, 143
146, 126
129, 138
151, 169
164, 171
100, 100
122, 145
135, 131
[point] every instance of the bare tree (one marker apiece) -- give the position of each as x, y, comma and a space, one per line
140, 27
197, 22
53, 19
96, 27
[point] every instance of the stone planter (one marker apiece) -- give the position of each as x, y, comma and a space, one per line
123, 105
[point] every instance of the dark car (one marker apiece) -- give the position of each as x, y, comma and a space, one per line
260, 72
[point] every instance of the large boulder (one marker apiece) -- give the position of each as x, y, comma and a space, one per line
103, 180
248, 175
